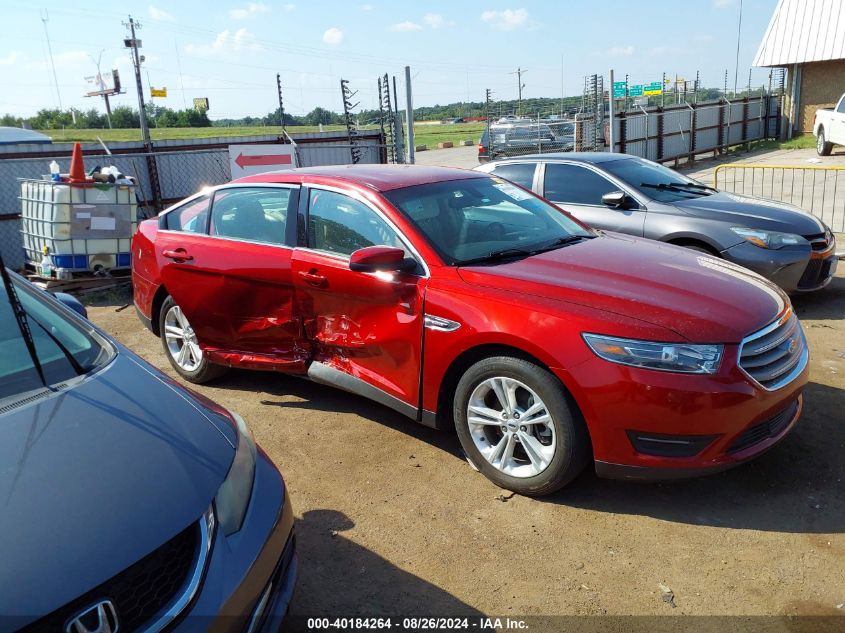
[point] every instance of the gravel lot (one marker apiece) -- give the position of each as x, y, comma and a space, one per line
392, 521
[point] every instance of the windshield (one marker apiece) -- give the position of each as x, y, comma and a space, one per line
655, 181
468, 220
51, 330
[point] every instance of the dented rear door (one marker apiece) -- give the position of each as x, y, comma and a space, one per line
237, 288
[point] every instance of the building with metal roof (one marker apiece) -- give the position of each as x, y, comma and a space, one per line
807, 38
17, 135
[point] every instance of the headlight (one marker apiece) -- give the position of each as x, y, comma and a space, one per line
677, 357
769, 239
233, 495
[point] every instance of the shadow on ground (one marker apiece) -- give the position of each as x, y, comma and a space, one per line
338, 577
795, 487
827, 304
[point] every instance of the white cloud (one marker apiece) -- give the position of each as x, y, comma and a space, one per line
367, 7
225, 43
723, 4
507, 20
249, 11
406, 26
289, 7
434, 20
333, 36
158, 14
621, 51
10, 59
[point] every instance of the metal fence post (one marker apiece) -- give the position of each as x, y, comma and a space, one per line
611, 134
409, 114
660, 133
623, 131
745, 108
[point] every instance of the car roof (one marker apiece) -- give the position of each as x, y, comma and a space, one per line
376, 177
581, 157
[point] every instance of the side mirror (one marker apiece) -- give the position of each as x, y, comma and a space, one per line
71, 302
380, 258
615, 200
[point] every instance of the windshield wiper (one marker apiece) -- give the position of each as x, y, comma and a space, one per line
563, 241
67, 353
680, 187
505, 253
20, 317
520, 253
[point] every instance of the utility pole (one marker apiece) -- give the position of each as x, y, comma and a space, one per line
133, 43
738, 36
281, 101
518, 72
44, 18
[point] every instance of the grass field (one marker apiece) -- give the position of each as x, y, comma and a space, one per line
804, 141
423, 134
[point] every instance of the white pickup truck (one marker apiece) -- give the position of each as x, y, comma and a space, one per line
829, 127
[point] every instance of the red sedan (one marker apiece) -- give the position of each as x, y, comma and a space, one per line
465, 302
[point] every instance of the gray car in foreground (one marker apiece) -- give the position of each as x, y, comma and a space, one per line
628, 194
127, 503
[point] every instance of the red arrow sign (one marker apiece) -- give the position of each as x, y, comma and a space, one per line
262, 159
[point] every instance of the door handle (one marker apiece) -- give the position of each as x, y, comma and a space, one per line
178, 254
312, 278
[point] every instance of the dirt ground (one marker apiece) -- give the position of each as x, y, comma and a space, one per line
391, 520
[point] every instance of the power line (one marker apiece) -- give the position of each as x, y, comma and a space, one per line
44, 18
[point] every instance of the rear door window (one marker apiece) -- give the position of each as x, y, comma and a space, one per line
575, 184
255, 214
521, 174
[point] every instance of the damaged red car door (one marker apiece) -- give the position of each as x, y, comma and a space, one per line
233, 279
365, 326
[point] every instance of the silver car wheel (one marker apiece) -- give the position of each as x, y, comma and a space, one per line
511, 427
820, 142
181, 340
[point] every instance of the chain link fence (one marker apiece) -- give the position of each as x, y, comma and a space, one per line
165, 176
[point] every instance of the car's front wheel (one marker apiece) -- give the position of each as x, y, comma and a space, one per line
181, 345
517, 428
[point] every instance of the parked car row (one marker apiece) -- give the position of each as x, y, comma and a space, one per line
461, 299
515, 137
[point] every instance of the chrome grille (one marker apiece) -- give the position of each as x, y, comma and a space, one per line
774, 356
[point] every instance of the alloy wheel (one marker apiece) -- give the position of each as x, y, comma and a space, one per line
181, 340
511, 427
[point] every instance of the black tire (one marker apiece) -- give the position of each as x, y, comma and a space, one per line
205, 371
823, 148
572, 450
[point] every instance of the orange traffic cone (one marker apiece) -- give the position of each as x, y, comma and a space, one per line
77, 166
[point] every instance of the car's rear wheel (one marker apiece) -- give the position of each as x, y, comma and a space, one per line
517, 428
823, 148
181, 345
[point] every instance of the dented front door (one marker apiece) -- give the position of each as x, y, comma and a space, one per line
366, 325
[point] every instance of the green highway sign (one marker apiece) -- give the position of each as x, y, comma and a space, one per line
635, 91
654, 88
619, 89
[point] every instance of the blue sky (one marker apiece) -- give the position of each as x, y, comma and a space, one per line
230, 51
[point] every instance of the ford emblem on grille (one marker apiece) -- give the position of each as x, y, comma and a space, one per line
98, 618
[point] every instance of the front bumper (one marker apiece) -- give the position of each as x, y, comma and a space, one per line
793, 269
727, 418
251, 575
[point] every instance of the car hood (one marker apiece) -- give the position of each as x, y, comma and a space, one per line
97, 476
699, 297
749, 211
